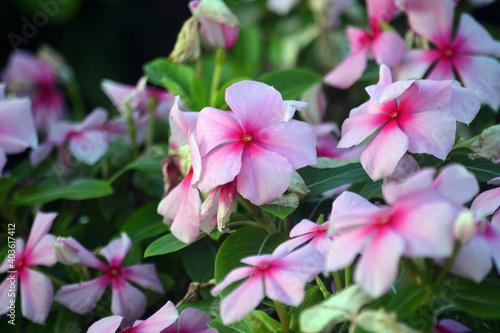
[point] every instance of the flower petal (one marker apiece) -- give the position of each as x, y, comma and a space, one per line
181, 124
216, 127
464, 103
7, 296
422, 180
443, 70
144, 275
264, 175
117, 250
456, 184
36, 295
17, 127
284, 287
357, 128
242, 300
346, 248
127, 301
106, 325
255, 104
473, 38
416, 63
195, 321
382, 154
473, 260
43, 253
388, 48
161, 319
425, 95
349, 70
40, 227
486, 203
89, 146
82, 297
233, 276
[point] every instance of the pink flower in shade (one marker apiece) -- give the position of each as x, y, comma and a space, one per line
181, 206
384, 234
87, 141
139, 97
311, 233
488, 202
28, 76
36, 289
217, 208
159, 321
471, 53
127, 300
17, 128
279, 276
218, 24
386, 46
411, 115
253, 144
450, 326
191, 320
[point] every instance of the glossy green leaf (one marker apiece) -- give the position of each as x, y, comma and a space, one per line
255, 322
408, 300
481, 300
149, 162
292, 83
49, 190
166, 244
246, 54
144, 223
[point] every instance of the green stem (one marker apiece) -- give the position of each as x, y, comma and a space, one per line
322, 287
447, 265
153, 103
347, 276
199, 73
338, 284
409, 270
219, 61
75, 96
280, 309
129, 117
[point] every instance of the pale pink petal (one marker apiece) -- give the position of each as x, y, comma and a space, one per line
164, 317
431, 236
351, 203
263, 259
95, 120
264, 175
2, 91
82, 297
464, 103
293, 243
492, 235
388, 48
473, 260
127, 301
285, 287
377, 269
457, 184
356, 129
119, 93
216, 127
303, 264
349, 70
39, 155
43, 253
294, 140
425, 95
40, 227
36, 295
381, 10
106, 325
450, 326
416, 63
422, 180
225, 206
290, 107
483, 74
314, 113
495, 220
304, 227
346, 248
235, 275
209, 211
181, 124
242, 300
117, 250
486, 203
443, 70
5, 266
217, 34
17, 128
195, 158
6, 293
193, 320
144, 275
431, 19
382, 154
431, 132
245, 98
90, 260
221, 166
473, 38
89, 146
3, 160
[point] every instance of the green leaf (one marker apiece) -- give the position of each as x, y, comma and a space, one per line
483, 169
481, 300
246, 241
6, 184
408, 300
292, 83
282, 206
166, 244
198, 260
255, 322
49, 190
144, 223
199, 92
321, 180
246, 54
465, 143
205, 305
149, 162
175, 78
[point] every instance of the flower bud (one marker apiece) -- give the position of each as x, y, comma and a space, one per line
465, 227
66, 250
187, 46
218, 24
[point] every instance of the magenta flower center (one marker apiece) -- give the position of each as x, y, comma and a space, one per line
447, 52
393, 114
114, 272
384, 220
247, 138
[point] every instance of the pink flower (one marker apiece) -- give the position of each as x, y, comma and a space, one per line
386, 46
218, 24
191, 320
412, 115
127, 300
450, 326
279, 276
471, 53
28, 76
311, 233
87, 141
17, 128
36, 289
217, 208
67, 249
139, 97
181, 206
252, 144
488, 202
384, 234
161, 319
